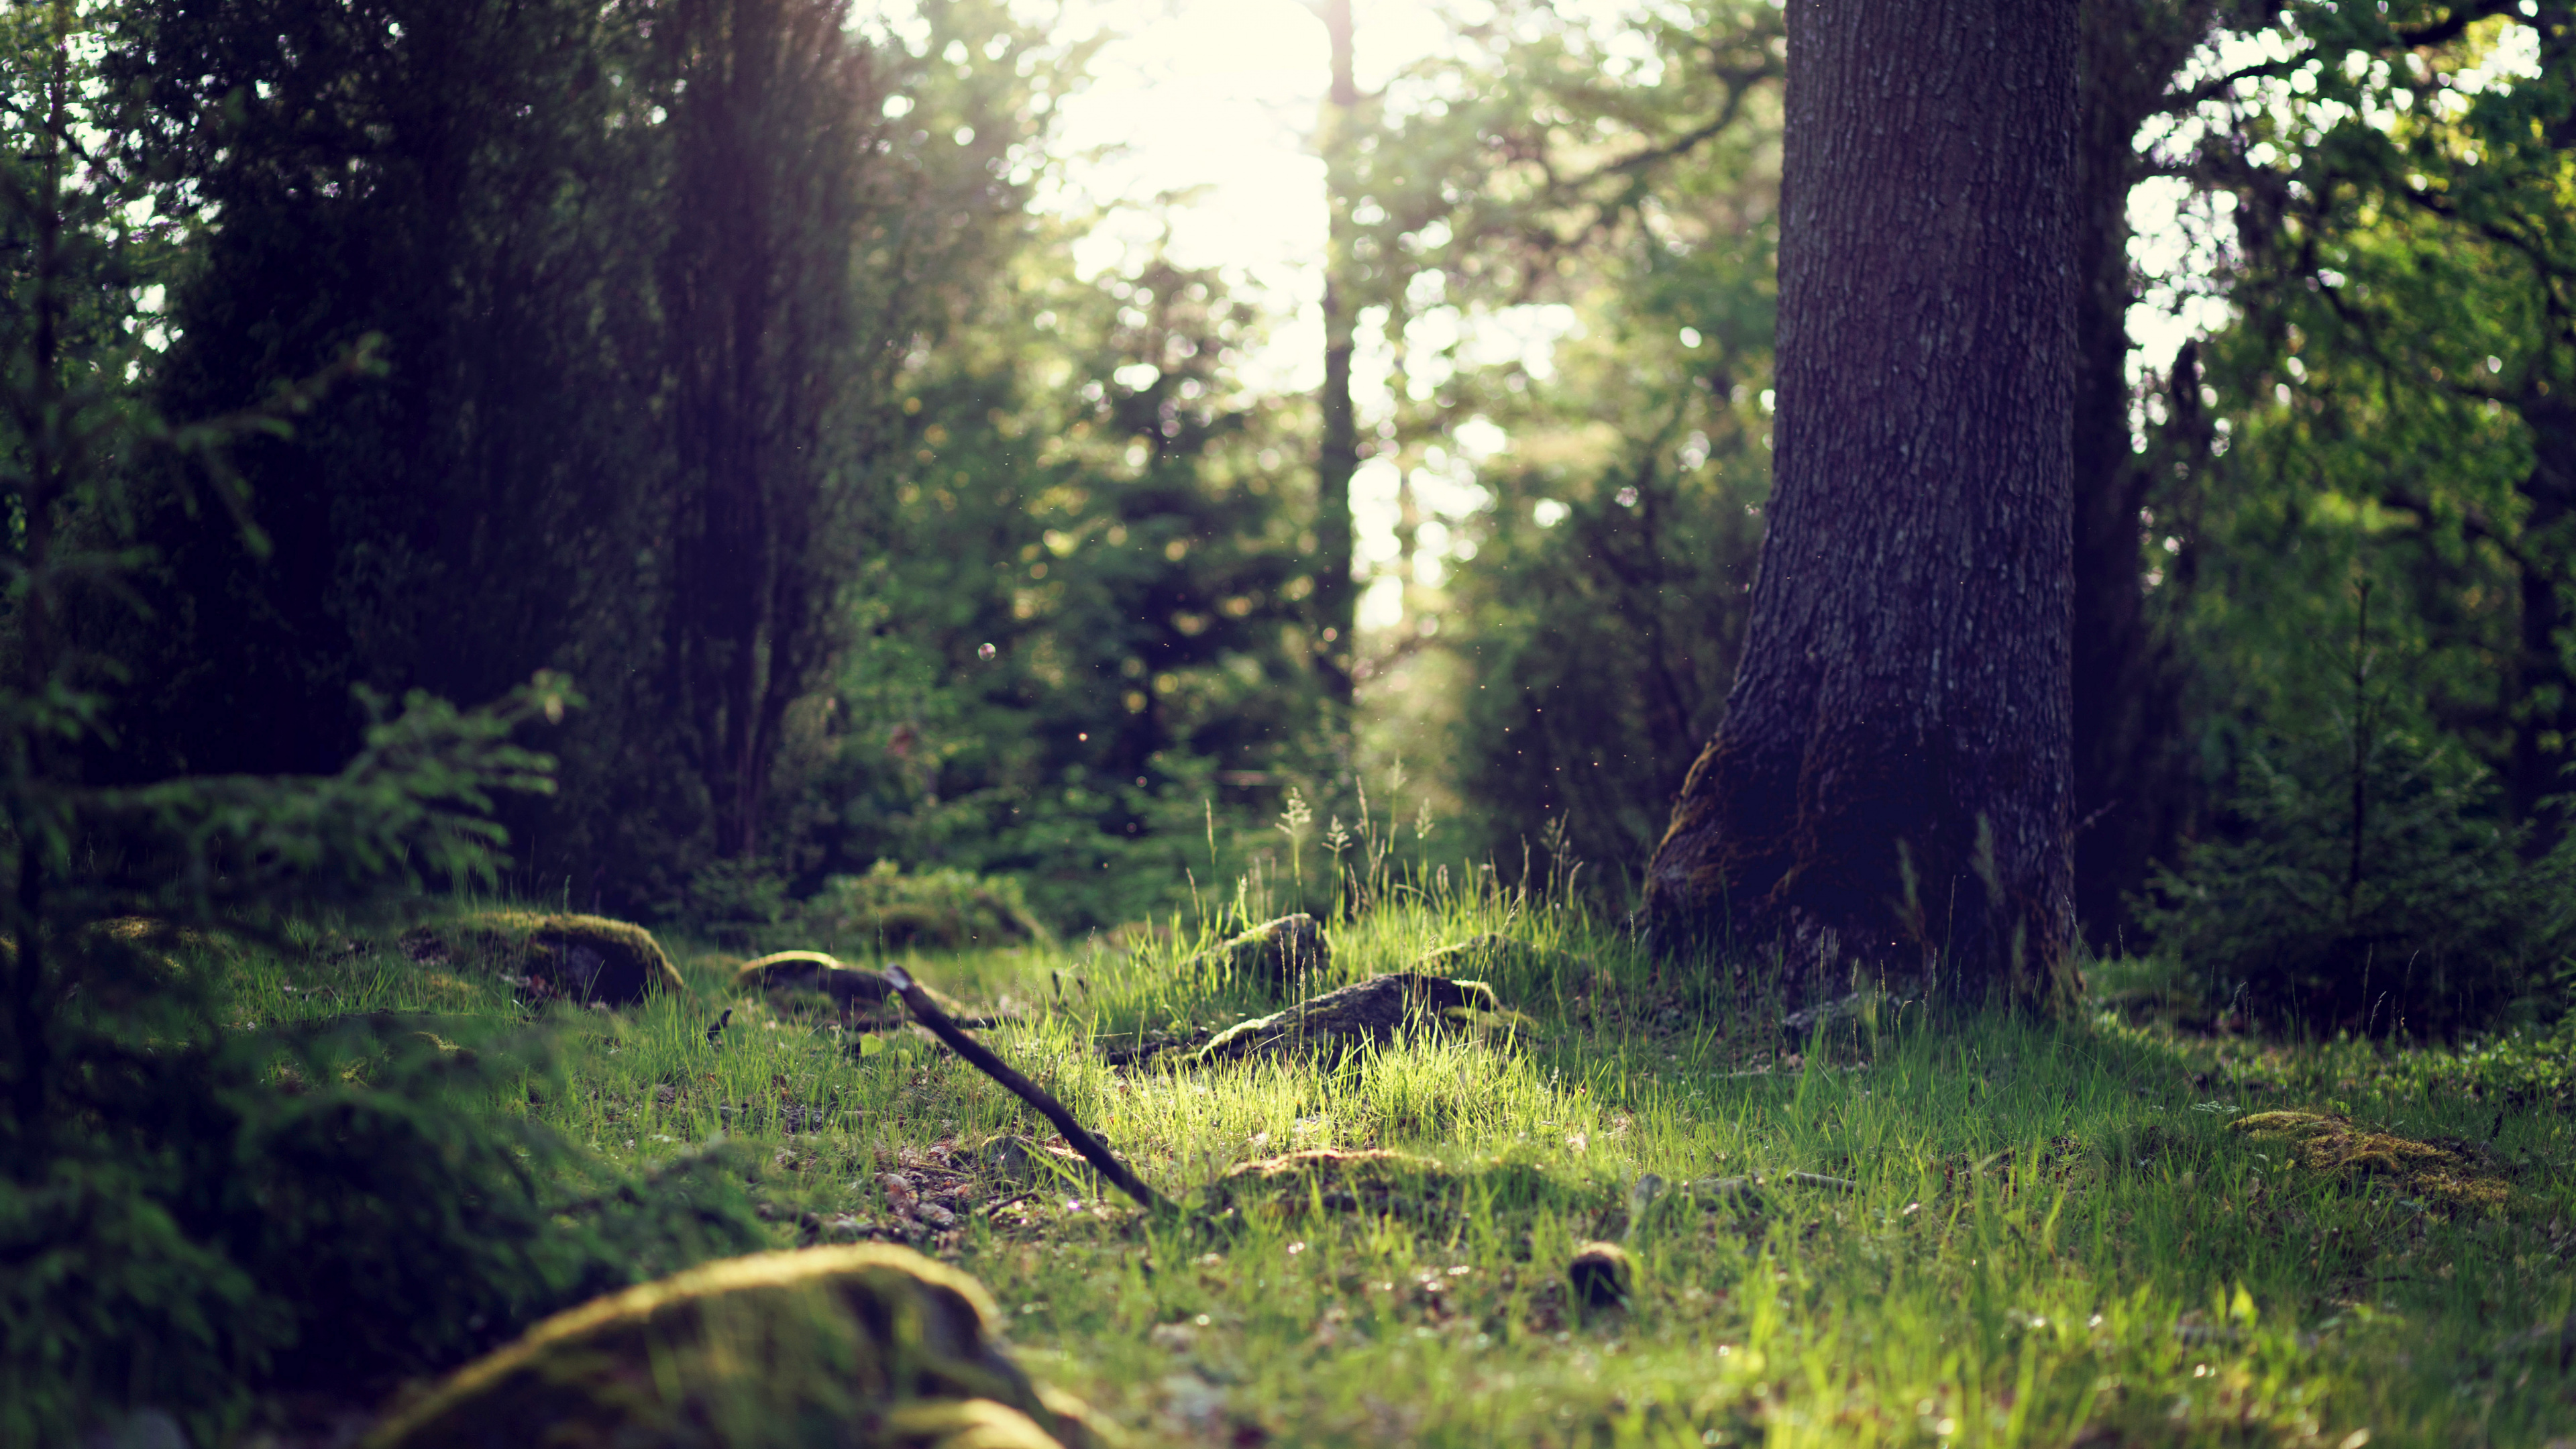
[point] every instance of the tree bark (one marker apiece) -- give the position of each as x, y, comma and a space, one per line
1889, 792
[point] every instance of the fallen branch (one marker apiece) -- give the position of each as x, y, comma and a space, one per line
928, 1013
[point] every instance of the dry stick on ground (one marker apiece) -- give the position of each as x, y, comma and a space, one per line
927, 1012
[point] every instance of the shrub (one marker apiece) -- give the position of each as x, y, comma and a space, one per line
2412, 910
934, 910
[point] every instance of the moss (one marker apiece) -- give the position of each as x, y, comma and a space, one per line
793, 978
577, 958
1376, 1010
964, 1424
1376, 1180
867, 1345
2452, 1172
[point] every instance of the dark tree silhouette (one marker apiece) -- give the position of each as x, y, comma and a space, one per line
1890, 790
771, 136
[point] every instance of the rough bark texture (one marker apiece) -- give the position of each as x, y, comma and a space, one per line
1891, 786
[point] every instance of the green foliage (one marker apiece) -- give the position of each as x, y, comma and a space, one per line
2003, 1218
2434, 922
1084, 648
195, 1211
550, 215
1596, 611
2382, 201
935, 910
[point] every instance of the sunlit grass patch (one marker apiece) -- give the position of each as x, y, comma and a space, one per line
1908, 1231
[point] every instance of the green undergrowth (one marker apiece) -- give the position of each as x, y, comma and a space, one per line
1965, 1231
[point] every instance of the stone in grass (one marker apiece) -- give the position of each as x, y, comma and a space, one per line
787, 977
1376, 1010
792, 979
1602, 1276
1274, 955
577, 958
864, 1345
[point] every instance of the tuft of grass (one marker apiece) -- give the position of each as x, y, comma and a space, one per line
1962, 1231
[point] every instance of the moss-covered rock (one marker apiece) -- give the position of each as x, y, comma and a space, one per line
1377, 1181
805, 979
810, 980
1376, 1010
866, 1345
2453, 1172
1276, 955
575, 958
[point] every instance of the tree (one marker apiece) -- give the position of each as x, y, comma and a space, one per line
461, 180
773, 110
1337, 452
1890, 787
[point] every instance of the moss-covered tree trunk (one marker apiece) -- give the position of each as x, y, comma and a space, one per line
1890, 788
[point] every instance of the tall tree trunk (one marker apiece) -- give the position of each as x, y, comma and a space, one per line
2130, 789
1338, 455
1889, 791
769, 128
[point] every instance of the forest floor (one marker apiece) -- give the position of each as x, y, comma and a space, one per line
1981, 1232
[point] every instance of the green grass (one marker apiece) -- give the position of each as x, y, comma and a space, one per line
2053, 1234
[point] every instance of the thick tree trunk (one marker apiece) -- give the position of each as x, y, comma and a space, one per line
1889, 792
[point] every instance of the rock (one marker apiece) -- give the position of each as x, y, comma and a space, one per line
792, 979
786, 976
868, 1344
587, 959
1378, 1009
1601, 1276
1275, 954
